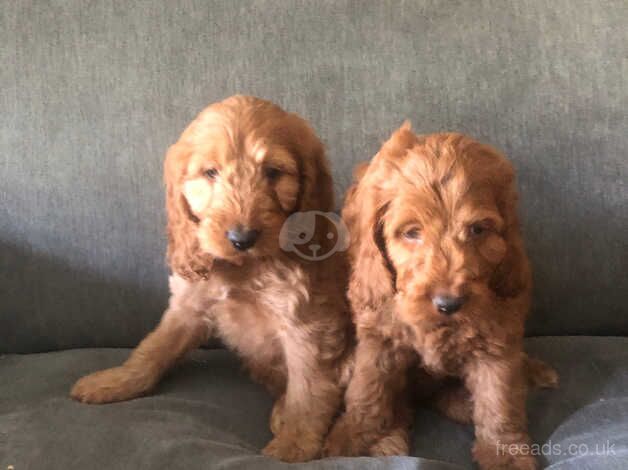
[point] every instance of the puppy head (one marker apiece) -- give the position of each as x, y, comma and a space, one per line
436, 225
240, 169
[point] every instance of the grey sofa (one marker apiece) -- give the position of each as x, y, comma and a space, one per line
91, 95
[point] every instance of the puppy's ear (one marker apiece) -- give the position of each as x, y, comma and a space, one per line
513, 275
184, 254
316, 189
399, 142
372, 276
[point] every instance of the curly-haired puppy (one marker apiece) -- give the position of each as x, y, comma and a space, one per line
440, 281
237, 173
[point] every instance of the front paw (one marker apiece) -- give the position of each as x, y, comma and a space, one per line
293, 447
501, 456
393, 443
341, 441
110, 385
276, 416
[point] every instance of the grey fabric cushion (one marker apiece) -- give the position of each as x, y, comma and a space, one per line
208, 414
92, 93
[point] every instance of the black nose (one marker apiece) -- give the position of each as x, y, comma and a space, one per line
447, 303
241, 238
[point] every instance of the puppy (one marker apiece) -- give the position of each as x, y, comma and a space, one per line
440, 282
240, 170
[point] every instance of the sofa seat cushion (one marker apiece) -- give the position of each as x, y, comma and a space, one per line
209, 414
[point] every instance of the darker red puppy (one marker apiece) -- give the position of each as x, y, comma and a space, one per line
440, 279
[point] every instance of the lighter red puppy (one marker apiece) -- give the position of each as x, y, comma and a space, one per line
237, 174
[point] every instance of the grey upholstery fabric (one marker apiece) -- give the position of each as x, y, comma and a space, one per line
92, 93
209, 415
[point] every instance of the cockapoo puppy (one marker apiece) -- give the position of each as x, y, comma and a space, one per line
240, 170
440, 282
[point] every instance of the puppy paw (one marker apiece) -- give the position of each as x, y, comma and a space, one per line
540, 374
395, 443
342, 442
504, 456
110, 385
292, 448
276, 417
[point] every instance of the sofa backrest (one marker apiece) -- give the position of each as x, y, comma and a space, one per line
92, 94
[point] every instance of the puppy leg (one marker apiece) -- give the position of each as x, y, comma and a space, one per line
396, 440
178, 332
498, 387
374, 420
303, 416
454, 401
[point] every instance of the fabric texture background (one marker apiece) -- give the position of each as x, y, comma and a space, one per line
207, 415
93, 93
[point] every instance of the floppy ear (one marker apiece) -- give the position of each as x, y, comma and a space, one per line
316, 190
372, 277
513, 275
184, 254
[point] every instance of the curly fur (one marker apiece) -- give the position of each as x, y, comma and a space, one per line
410, 214
244, 161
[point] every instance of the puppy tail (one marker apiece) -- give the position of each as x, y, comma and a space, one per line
540, 374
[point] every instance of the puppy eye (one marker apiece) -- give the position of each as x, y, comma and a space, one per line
211, 173
272, 173
413, 234
477, 229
